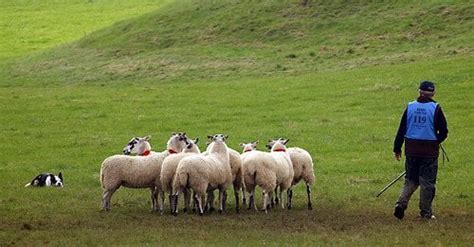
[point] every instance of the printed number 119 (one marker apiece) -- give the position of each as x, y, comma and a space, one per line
420, 119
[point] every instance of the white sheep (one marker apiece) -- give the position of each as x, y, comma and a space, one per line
237, 181
302, 167
204, 172
169, 167
136, 171
249, 172
269, 171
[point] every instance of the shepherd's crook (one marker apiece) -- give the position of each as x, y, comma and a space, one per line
391, 183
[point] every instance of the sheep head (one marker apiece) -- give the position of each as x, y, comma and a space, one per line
137, 145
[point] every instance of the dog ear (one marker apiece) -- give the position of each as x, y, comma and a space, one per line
60, 176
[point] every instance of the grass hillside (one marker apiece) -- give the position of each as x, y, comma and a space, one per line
193, 40
31, 25
332, 77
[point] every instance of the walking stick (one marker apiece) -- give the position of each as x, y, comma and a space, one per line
445, 155
391, 183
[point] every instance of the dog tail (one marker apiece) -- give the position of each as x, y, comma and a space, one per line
27, 185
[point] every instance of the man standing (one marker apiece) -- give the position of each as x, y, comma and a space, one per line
423, 127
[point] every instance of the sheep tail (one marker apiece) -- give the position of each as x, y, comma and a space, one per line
101, 177
27, 185
180, 182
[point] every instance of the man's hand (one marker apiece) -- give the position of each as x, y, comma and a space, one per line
397, 156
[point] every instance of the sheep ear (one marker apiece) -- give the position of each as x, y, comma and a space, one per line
147, 138
196, 140
226, 137
173, 134
241, 145
209, 137
286, 141
256, 142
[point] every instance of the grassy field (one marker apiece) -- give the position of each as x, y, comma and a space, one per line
69, 107
33, 25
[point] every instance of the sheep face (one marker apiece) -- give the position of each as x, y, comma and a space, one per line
217, 138
177, 142
247, 147
137, 145
191, 146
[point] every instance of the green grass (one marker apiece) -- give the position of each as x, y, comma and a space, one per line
33, 25
59, 117
215, 39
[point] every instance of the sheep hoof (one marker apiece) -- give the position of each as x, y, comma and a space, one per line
310, 207
201, 214
185, 210
212, 209
175, 214
220, 211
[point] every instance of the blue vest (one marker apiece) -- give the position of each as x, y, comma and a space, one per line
420, 121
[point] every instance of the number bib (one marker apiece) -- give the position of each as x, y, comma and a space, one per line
420, 121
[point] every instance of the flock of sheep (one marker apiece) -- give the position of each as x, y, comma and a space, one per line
182, 169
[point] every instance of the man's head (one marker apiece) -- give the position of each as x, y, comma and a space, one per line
427, 89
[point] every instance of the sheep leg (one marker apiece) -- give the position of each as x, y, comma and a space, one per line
290, 196
224, 204
154, 199
237, 200
265, 201
308, 191
171, 198
186, 200
276, 197
210, 201
199, 200
174, 204
194, 202
251, 200
270, 196
244, 198
281, 197
221, 200
106, 195
162, 201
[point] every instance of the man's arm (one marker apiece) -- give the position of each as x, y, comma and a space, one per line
441, 126
402, 129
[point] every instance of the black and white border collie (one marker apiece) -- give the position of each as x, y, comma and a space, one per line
47, 179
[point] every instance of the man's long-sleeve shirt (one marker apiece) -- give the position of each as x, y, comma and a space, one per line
422, 148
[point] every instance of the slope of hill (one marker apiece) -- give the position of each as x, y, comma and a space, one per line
193, 40
30, 25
